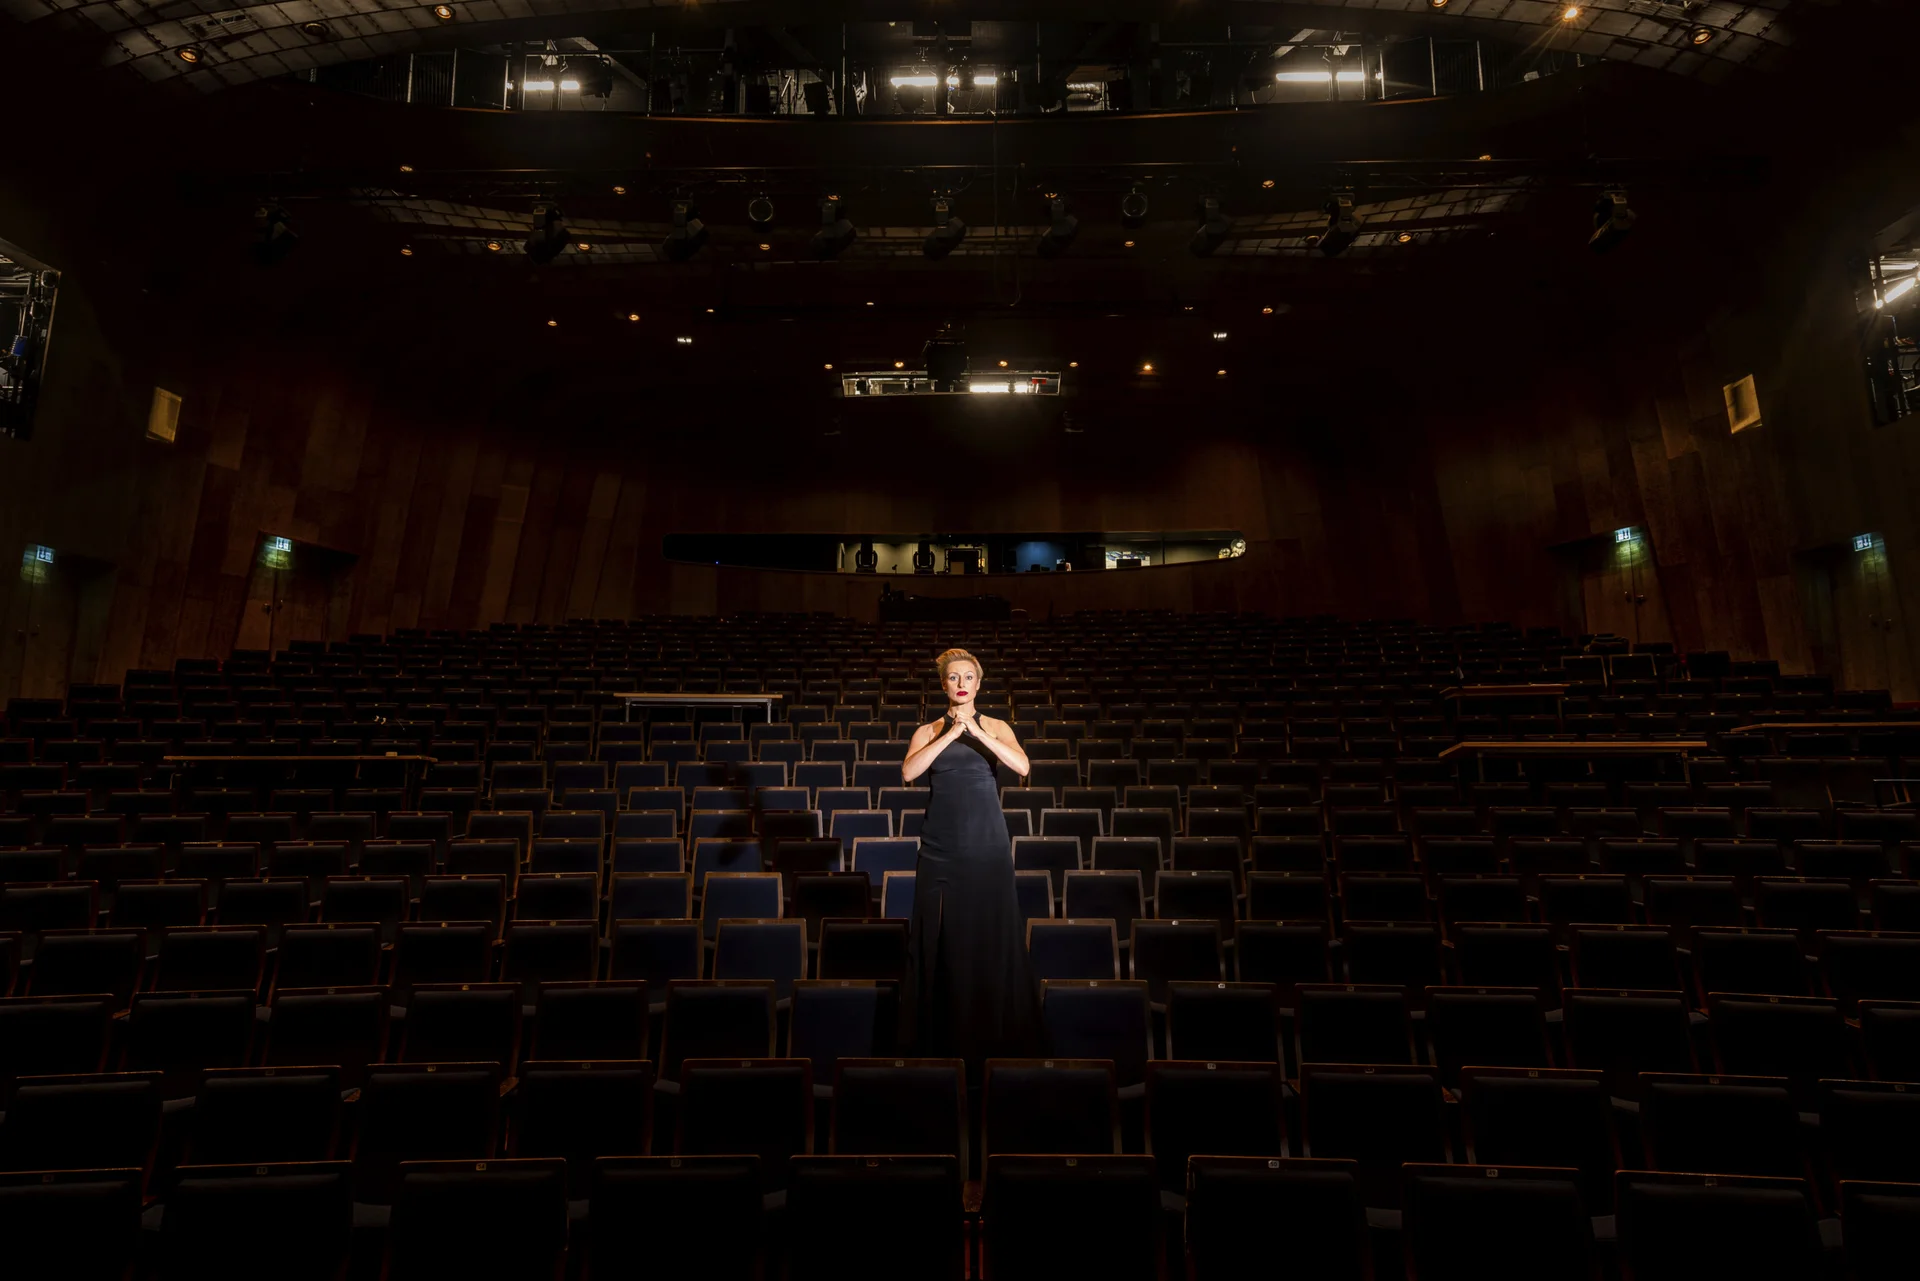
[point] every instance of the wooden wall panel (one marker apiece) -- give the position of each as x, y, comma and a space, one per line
1462, 511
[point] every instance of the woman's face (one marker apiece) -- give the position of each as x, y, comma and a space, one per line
962, 682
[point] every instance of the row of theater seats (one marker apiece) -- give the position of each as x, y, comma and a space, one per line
884, 1216
1353, 1144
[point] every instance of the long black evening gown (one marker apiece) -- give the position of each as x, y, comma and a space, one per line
970, 993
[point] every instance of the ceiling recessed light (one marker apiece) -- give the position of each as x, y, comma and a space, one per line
1219, 373
764, 248
684, 340
493, 246
314, 30
1129, 244
1571, 13
1219, 335
1436, 4
406, 251
869, 304
709, 311
1073, 364
1488, 156
1406, 237
1268, 184
1266, 311
633, 315
899, 364
553, 324
406, 168
1700, 35
1146, 368
1003, 364
619, 191
190, 53
828, 367
444, 12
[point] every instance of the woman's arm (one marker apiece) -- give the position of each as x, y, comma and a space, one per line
928, 742
998, 736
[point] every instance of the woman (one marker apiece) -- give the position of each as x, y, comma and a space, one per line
970, 992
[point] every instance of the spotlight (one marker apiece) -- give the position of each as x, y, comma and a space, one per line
1133, 208
1612, 220
1343, 225
444, 12
835, 233
760, 211
493, 246
1405, 237
689, 234
1212, 230
1700, 35
549, 235
190, 54
583, 246
948, 231
274, 236
1055, 240
865, 559
945, 358
1571, 13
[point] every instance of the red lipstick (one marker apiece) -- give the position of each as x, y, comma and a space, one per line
961, 694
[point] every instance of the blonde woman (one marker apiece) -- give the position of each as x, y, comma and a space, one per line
970, 991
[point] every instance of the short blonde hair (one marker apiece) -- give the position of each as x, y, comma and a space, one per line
949, 657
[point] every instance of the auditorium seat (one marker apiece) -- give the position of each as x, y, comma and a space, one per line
680, 1215
760, 1107
865, 1218
478, 1218
1681, 1226
1543, 1117
1305, 1210
1520, 1223
265, 1116
82, 1224
343, 1026
1048, 1216
103, 1121
232, 1222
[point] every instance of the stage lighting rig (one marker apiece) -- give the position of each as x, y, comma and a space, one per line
1056, 239
835, 233
945, 360
1613, 219
948, 231
274, 236
689, 234
1343, 225
1133, 208
549, 235
1213, 228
